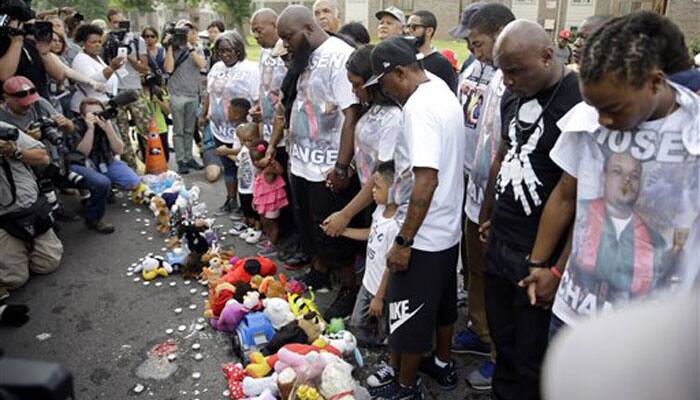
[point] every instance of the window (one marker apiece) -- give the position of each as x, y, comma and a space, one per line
581, 2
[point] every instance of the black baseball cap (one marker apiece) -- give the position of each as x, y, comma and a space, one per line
462, 30
389, 54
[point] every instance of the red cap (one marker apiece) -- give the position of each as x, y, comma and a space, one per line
18, 84
564, 34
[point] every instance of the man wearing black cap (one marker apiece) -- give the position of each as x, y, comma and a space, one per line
428, 188
481, 89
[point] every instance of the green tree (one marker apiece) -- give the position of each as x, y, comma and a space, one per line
127, 5
237, 11
91, 9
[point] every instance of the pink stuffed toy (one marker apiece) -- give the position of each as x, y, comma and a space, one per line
266, 395
307, 366
230, 317
235, 374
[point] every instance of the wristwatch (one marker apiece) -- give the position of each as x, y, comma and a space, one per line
402, 241
340, 171
535, 264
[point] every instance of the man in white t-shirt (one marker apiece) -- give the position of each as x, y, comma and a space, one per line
422, 293
322, 114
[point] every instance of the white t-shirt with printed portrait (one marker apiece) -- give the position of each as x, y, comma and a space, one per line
375, 138
272, 73
246, 171
432, 137
381, 237
323, 92
242, 80
637, 228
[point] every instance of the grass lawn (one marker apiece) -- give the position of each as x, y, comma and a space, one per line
459, 47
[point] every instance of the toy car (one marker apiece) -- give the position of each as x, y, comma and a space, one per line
252, 333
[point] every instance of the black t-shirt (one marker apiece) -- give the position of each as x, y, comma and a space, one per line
30, 66
528, 175
439, 66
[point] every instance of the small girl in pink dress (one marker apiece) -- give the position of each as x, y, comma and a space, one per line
269, 196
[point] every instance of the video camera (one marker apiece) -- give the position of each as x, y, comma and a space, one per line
17, 10
176, 37
116, 39
122, 99
9, 133
49, 130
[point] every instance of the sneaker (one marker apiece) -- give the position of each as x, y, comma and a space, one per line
268, 251
182, 168
445, 377
467, 342
244, 235
480, 378
318, 281
100, 226
64, 215
235, 217
237, 229
383, 376
342, 305
297, 261
254, 237
194, 165
228, 207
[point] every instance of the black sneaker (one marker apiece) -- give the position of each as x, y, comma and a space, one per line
318, 281
228, 207
297, 261
182, 168
64, 215
194, 165
342, 305
383, 376
445, 377
100, 226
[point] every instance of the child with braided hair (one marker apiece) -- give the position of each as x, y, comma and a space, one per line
631, 177
269, 196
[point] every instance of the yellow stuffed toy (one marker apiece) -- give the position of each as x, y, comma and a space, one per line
302, 305
152, 267
306, 392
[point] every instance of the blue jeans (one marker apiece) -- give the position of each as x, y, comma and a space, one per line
100, 184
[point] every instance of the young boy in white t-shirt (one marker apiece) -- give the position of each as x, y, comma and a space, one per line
369, 319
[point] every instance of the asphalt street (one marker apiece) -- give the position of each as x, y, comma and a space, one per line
121, 338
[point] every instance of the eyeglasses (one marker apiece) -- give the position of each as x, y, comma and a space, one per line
23, 93
413, 27
149, 36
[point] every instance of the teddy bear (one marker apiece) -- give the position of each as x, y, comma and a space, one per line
265, 395
246, 268
273, 288
162, 214
278, 312
221, 294
336, 381
252, 302
231, 315
151, 267
346, 343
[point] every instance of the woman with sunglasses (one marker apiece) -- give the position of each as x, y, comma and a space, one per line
155, 53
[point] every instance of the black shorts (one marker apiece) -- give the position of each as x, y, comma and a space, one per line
314, 202
421, 299
247, 205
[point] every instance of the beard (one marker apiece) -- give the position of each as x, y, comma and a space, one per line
300, 57
420, 40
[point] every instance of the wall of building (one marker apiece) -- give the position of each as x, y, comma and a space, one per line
686, 13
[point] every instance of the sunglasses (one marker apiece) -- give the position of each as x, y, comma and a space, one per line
23, 93
413, 27
149, 36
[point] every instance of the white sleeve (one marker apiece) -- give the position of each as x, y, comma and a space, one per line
342, 88
26, 142
83, 64
427, 151
565, 152
254, 84
389, 130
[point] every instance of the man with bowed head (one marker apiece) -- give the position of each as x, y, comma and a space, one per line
322, 112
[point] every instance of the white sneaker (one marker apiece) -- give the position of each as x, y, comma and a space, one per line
244, 235
254, 237
237, 229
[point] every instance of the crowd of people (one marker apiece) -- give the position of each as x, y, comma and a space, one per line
565, 177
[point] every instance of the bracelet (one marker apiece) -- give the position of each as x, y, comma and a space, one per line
555, 272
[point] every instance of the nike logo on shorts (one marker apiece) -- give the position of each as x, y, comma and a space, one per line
399, 314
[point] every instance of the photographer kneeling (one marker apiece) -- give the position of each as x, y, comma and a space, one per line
94, 145
27, 239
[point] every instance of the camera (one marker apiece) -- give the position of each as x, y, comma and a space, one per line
49, 130
122, 99
9, 133
120, 38
177, 36
152, 80
41, 30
